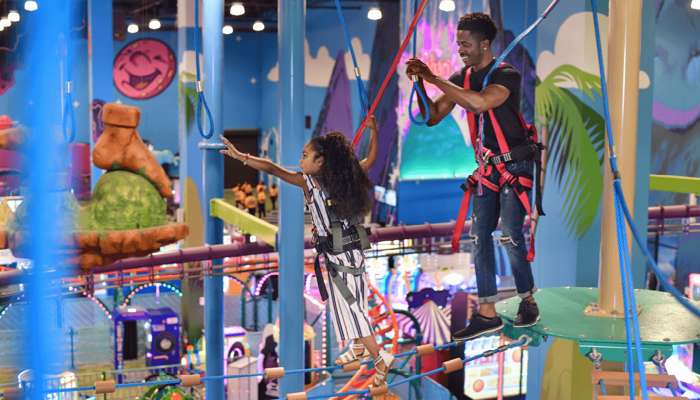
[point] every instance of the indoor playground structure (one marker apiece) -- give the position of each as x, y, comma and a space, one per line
138, 262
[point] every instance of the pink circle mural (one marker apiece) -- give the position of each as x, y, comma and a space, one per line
144, 68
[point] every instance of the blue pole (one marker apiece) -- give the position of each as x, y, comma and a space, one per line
290, 37
100, 57
43, 153
213, 177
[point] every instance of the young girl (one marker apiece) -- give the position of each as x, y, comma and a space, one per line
336, 189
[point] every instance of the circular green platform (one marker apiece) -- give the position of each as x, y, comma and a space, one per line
662, 321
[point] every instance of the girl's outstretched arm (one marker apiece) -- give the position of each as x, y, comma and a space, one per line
368, 161
262, 164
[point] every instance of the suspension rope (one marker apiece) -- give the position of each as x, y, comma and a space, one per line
623, 215
361, 89
415, 88
499, 60
390, 74
199, 86
68, 111
523, 341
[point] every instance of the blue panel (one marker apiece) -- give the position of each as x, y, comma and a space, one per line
432, 201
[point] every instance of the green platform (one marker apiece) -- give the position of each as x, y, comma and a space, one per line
662, 321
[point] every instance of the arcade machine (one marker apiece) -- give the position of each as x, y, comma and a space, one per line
162, 327
163, 340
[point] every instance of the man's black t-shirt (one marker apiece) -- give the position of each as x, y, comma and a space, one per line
506, 113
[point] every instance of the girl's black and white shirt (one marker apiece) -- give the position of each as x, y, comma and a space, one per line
350, 321
316, 202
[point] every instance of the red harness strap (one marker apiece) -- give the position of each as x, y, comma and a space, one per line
519, 184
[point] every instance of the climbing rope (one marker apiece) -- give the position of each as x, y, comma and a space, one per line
361, 89
68, 111
416, 86
622, 214
199, 87
499, 60
390, 74
193, 380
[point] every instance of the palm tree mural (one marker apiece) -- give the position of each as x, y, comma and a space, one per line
188, 96
575, 142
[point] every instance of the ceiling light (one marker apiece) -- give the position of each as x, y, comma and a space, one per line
154, 24
237, 9
695, 4
31, 5
374, 14
13, 16
4, 22
447, 5
132, 28
227, 29
258, 26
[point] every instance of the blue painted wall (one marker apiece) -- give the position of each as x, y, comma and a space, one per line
250, 99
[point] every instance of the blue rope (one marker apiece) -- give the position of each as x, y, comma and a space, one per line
685, 302
603, 391
495, 65
150, 383
629, 300
521, 342
416, 86
361, 89
68, 111
629, 367
201, 100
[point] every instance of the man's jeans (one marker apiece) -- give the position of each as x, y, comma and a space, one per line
487, 209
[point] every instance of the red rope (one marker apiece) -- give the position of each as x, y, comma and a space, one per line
390, 73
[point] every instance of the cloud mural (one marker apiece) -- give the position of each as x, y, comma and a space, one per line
677, 66
318, 67
583, 54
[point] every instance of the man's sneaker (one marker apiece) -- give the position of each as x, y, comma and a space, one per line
528, 314
478, 326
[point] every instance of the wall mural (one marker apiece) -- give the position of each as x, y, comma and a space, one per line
568, 105
144, 68
676, 107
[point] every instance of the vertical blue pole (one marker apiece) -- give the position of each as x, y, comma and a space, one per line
43, 154
100, 56
291, 30
190, 185
213, 177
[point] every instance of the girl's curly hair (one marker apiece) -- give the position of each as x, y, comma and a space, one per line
341, 176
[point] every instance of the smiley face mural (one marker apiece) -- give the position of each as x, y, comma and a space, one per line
143, 68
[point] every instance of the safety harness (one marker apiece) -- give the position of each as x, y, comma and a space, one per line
354, 237
532, 150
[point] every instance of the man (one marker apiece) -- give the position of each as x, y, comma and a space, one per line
475, 34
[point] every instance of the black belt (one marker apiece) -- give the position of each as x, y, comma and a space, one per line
520, 153
342, 240
334, 271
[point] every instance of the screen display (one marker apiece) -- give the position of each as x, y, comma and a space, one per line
481, 375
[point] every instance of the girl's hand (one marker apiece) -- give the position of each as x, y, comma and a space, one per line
372, 123
231, 150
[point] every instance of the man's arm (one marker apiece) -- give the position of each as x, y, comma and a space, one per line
438, 108
477, 102
491, 97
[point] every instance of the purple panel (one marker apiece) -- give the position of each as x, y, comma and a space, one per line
336, 113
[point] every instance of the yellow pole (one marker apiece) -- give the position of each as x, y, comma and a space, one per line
624, 40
